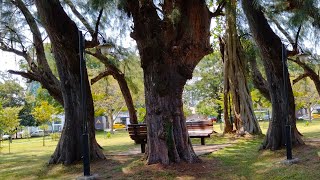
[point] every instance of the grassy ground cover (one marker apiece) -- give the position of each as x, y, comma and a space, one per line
28, 159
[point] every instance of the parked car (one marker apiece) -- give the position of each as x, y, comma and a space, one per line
38, 133
304, 117
5, 136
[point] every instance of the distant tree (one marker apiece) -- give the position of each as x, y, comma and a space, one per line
43, 113
25, 116
11, 92
9, 119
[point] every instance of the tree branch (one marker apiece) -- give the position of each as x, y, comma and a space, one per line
23, 54
100, 76
283, 31
94, 33
80, 17
96, 30
37, 38
28, 75
219, 10
300, 77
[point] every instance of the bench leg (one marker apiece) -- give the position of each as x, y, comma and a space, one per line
143, 148
202, 141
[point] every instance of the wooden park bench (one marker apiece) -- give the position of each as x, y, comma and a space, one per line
138, 133
200, 129
197, 129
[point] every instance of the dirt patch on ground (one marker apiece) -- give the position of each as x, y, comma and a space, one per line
126, 167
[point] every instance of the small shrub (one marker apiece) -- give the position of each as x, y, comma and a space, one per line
307, 123
108, 135
25, 134
55, 136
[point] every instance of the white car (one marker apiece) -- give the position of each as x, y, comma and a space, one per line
37, 133
5, 136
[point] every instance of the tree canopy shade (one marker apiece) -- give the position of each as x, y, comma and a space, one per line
172, 37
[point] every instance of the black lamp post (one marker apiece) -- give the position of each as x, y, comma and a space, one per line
83, 112
286, 103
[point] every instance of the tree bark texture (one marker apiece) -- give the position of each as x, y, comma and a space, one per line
63, 34
258, 81
170, 48
244, 117
228, 125
270, 48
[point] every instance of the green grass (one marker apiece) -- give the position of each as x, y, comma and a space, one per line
242, 160
28, 158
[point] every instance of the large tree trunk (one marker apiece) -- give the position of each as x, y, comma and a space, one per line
63, 34
245, 120
167, 135
270, 47
170, 48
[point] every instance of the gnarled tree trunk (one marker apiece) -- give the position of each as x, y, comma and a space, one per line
270, 47
170, 47
244, 119
63, 34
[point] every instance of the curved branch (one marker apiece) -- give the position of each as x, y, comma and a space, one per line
100, 76
37, 39
28, 75
80, 17
300, 77
23, 54
93, 32
119, 77
311, 73
219, 10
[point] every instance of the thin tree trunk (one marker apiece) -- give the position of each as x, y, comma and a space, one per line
63, 34
270, 47
228, 127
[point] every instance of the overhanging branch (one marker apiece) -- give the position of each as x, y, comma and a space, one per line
100, 76
300, 77
219, 10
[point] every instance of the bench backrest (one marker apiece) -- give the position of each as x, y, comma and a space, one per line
138, 132
201, 126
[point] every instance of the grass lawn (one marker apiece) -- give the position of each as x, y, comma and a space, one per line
242, 160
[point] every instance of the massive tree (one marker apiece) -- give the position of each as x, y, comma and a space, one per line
172, 37
270, 47
64, 36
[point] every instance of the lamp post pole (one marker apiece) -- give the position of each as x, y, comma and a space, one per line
286, 103
83, 112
